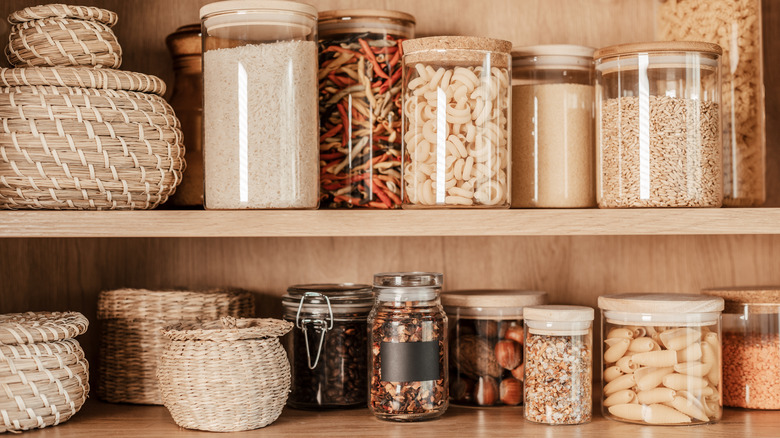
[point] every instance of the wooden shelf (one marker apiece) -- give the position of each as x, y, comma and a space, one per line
189, 223
126, 421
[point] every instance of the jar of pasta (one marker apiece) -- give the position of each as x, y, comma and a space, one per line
408, 348
751, 346
735, 25
658, 125
457, 112
552, 127
486, 345
661, 358
558, 364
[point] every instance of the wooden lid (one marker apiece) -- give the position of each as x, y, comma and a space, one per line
493, 298
767, 297
660, 303
365, 13
557, 313
658, 47
554, 50
185, 41
456, 43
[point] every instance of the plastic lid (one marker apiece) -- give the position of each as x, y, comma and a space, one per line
407, 286
365, 13
493, 298
658, 47
558, 313
650, 303
257, 5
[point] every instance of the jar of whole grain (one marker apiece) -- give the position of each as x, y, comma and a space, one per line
552, 127
658, 125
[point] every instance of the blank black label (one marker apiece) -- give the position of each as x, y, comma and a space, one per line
409, 361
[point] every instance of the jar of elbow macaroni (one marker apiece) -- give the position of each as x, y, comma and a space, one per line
456, 110
661, 358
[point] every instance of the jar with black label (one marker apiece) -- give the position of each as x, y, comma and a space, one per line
328, 346
408, 341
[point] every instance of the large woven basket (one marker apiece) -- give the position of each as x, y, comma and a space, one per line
131, 339
76, 138
60, 35
225, 376
44, 378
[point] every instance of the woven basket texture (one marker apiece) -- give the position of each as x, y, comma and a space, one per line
44, 377
131, 337
65, 147
60, 35
225, 376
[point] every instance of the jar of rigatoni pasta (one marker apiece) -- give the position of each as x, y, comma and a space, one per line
456, 109
661, 358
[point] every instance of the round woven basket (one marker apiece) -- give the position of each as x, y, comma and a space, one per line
86, 139
43, 373
131, 339
225, 376
58, 35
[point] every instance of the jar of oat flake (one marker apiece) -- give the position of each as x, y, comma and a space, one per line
558, 364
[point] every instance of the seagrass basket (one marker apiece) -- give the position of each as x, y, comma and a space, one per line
131, 338
225, 376
58, 35
44, 377
76, 138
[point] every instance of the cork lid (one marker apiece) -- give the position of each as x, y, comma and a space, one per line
649, 303
457, 43
493, 298
345, 14
558, 313
762, 299
658, 47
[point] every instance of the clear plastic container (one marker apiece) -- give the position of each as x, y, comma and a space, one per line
261, 147
457, 130
658, 125
408, 341
360, 143
553, 120
736, 26
328, 347
558, 364
751, 346
661, 358
486, 345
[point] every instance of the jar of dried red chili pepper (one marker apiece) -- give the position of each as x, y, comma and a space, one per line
408, 340
360, 100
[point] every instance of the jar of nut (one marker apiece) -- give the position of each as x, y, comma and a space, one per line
486, 345
408, 342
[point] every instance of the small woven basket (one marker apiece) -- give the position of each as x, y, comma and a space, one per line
225, 376
77, 138
43, 373
131, 339
58, 35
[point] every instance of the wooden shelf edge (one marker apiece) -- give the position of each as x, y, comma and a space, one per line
409, 223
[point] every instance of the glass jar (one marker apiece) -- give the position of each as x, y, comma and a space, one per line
187, 100
328, 348
261, 148
360, 133
486, 345
661, 358
558, 364
457, 108
408, 341
751, 346
658, 125
552, 127
736, 26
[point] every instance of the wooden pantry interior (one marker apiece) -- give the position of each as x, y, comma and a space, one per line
62, 260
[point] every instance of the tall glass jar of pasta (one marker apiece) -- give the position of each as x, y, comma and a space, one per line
661, 358
457, 112
360, 104
735, 25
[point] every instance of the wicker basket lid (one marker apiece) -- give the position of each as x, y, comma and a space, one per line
35, 327
59, 10
82, 77
228, 329
172, 305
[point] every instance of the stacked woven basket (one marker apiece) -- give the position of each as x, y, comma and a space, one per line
44, 378
74, 132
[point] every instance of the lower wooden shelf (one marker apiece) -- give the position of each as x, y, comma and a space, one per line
99, 419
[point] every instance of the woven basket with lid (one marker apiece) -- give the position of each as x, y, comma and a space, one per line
131, 339
225, 376
43, 373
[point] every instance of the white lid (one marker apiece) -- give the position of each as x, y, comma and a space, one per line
650, 303
558, 313
255, 5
